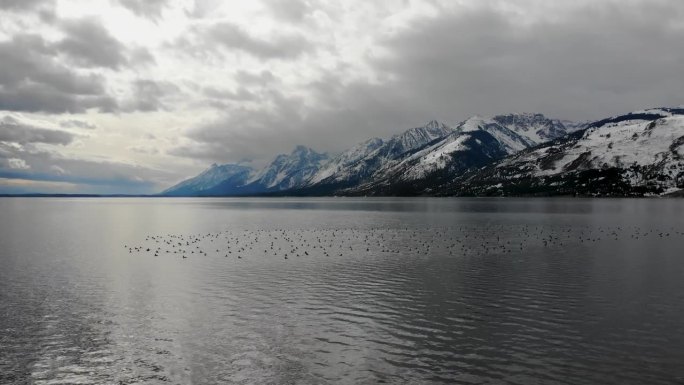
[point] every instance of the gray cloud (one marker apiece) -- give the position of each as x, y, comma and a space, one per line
12, 130
598, 59
89, 44
22, 5
33, 80
480, 60
146, 8
150, 95
75, 123
144, 149
289, 10
235, 39
26, 163
262, 78
241, 94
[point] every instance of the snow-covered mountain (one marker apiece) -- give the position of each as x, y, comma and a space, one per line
537, 127
288, 171
474, 143
348, 163
234, 175
639, 153
363, 161
515, 154
285, 171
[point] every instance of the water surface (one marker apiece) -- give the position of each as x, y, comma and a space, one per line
339, 290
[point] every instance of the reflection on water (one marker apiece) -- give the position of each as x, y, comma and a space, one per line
341, 290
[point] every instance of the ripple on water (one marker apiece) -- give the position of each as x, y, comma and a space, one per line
454, 304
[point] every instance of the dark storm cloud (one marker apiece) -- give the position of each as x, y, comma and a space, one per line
236, 134
585, 62
12, 130
600, 59
33, 80
89, 44
234, 38
146, 8
344, 116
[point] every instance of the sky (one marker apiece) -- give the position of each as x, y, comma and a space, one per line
132, 96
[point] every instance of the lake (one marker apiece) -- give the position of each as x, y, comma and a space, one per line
341, 290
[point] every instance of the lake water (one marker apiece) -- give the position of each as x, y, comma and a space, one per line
315, 291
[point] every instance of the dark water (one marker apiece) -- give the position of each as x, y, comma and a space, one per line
372, 290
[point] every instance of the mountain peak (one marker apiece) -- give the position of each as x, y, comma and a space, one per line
473, 123
301, 148
433, 124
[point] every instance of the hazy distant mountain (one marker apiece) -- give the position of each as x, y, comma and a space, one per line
514, 154
225, 175
286, 171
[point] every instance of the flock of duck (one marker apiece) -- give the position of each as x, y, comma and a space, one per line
464, 240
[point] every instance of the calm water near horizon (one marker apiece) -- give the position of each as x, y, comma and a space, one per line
341, 290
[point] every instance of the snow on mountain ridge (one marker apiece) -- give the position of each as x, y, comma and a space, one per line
211, 177
367, 158
634, 154
625, 144
291, 170
510, 139
419, 136
346, 160
407, 156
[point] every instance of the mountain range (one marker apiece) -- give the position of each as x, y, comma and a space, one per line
637, 154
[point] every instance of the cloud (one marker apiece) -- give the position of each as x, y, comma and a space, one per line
234, 38
146, 8
585, 61
32, 79
22, 5
11, 130
289, 10
241, 94
103, 176
75, 123
151, 95
262, 78
24, 186
252, 79
578, 60
89, 44
17, 164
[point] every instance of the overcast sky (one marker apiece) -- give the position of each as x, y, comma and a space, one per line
131, 96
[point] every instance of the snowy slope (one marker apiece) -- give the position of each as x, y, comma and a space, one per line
427, 159
536, 128
366, 159
509, 138
347, 161
288, 171
634, 154
210, 178
474, 142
